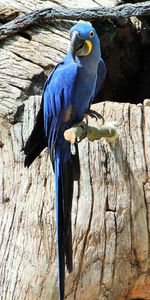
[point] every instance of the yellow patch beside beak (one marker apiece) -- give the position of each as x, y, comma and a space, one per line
89, 44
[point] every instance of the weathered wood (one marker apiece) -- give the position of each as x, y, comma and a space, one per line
7, 13
22, 60
111, 205
15, 79
110, 213
53, 14
23, 6
44, 49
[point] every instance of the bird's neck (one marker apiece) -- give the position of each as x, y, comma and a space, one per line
89, 63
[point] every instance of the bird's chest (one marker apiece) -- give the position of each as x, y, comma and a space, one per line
83, 95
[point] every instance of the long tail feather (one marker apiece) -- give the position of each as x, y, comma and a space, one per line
65, 174
34, 151
60, 225
68, 194
36, 141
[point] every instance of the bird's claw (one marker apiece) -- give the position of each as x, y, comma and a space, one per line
84, 134
94, 114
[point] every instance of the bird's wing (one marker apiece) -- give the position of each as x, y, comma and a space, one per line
101, 74
37, 141
57, 97
57, 103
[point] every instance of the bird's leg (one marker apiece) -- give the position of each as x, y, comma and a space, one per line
77, 132
94, 114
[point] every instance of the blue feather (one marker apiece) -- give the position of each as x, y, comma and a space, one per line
60, 223
72, 83
101, 74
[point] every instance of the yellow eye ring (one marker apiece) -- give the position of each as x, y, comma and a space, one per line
91, 34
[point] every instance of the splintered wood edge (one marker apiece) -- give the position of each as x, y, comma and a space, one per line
108, 131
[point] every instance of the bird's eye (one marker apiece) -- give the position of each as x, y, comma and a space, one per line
91, 34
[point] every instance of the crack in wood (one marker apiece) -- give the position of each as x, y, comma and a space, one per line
103, 257
10, 236
115, 251
87, 231
78, 197
147, 219
1, 144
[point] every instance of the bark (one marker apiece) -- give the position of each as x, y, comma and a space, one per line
74, 14
111, 204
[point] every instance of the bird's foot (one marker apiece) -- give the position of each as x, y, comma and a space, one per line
84, 127
76, 133
94, 114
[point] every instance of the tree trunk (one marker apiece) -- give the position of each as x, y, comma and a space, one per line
110, 215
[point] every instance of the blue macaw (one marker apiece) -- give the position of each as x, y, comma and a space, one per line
68, 93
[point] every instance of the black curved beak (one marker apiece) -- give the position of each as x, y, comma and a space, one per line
76, 43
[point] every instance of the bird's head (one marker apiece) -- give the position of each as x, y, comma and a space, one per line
84, 40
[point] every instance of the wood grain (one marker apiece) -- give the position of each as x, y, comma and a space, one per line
114, 193
111, 204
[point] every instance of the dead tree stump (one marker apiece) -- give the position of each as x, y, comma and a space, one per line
111, 204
